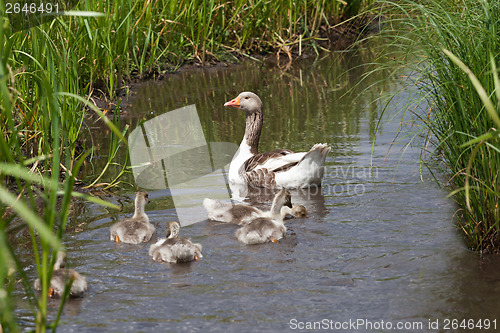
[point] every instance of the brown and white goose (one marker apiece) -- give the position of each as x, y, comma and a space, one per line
266, 229
136, 229
280, 168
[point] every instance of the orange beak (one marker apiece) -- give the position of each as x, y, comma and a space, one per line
196, 258
51, 292
117, 239
274, 240
234, 102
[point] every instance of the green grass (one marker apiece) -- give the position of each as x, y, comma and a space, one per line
453, 48
136, 38
40, 122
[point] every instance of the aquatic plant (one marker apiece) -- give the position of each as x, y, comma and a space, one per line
451, 50
94, 53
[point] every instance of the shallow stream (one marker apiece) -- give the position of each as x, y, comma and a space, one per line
380, 248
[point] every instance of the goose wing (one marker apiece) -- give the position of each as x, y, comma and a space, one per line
259, 170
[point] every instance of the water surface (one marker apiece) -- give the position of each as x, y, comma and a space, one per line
380, 243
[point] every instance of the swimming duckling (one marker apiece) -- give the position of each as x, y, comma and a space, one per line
264, 229
240, 214
173, 248
136, 229
296, 211
61, 276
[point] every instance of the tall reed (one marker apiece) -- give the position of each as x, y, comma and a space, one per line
136, 38
454, 49
40, 122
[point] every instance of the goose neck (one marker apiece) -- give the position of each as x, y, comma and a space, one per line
252, 130
284, 211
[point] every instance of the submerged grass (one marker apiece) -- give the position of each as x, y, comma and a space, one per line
454, 47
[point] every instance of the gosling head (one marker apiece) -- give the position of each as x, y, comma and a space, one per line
299, 211
246, 101
173, 228
283, 198
141, 198
60, 260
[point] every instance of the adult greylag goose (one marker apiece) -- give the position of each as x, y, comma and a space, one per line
265, 229
136, 229
173, 248
61, 277
224, 211
280, 168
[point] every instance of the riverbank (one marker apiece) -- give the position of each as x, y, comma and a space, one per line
456, 112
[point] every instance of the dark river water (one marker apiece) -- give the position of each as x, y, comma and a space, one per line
379, 252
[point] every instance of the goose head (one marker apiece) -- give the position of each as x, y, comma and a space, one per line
283, 198
295, 211
173, 228
141, 198
252, 105
246, 101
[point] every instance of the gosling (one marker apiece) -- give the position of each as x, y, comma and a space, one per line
136, 229
296, 211
62, 276
265, 229
173, 248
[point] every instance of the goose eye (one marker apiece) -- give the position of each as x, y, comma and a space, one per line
247, 97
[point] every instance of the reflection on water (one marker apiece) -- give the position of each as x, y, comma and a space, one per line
379, 244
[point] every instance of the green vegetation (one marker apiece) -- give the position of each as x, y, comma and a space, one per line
39, 128
454, 47
49, 72
136, 38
